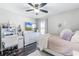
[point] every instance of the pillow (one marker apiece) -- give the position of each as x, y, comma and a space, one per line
66, 34
75, 37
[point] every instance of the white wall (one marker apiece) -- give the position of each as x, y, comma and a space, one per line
13, 18
69, 19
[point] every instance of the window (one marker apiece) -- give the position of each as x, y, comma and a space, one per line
42, 27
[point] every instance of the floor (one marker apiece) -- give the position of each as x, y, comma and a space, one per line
28, 49
39, 53
31, 50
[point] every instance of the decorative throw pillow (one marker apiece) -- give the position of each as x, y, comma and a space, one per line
66, 34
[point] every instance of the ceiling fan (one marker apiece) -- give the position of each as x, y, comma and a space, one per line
37, 8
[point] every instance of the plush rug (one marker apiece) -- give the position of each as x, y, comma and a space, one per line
38, 53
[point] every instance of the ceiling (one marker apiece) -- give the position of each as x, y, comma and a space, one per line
53, 8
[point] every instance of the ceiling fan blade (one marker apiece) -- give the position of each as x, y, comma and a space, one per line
42, 4
45, 11
29, 10
31, 4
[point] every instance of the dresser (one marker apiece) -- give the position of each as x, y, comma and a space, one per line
30, 37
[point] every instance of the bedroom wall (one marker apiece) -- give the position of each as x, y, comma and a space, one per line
69, 19
13, 18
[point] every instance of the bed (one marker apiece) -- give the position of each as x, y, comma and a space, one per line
57, 46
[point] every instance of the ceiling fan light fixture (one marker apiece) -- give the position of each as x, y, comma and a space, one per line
36, 10
36, 7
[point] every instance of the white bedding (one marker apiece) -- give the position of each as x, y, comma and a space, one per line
75, 37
